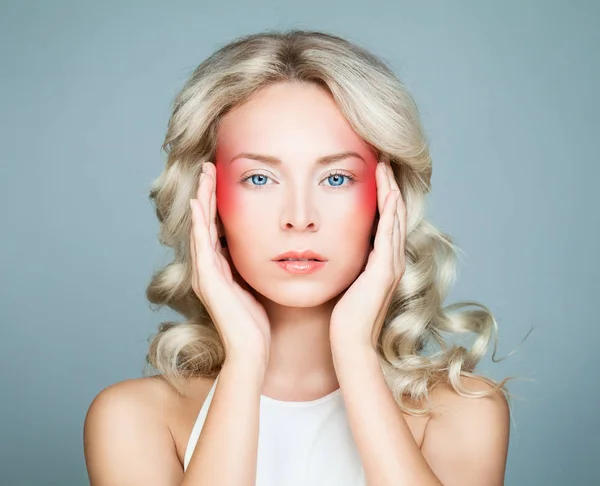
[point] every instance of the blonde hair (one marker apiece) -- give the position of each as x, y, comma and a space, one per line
383, 113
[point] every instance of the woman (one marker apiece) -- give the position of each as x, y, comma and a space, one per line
301, 145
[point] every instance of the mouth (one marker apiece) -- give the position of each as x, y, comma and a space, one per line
298, 260
300, 266
300, 256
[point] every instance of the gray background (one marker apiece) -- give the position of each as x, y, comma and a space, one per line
508, 92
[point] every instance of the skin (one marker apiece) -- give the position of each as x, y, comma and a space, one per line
265, 210
136, 431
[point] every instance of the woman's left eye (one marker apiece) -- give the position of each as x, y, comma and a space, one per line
335, 177
338, 176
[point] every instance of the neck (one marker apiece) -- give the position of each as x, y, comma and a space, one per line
300, 364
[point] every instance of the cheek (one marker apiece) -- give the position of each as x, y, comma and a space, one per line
226, 195
364, 208
354, 217
368, 199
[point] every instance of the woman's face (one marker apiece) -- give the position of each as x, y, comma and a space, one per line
297, 203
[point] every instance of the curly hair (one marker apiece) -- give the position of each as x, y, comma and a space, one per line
383, 113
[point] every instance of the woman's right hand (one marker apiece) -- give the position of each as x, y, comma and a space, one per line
240, 319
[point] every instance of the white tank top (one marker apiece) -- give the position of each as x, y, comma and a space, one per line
299, 443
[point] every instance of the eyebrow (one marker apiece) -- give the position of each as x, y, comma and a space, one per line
321, 161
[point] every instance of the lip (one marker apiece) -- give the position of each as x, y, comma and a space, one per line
301, 267
301, 254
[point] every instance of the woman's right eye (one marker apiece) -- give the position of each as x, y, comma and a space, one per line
257, 177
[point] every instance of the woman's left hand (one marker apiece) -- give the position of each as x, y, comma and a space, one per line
358, 316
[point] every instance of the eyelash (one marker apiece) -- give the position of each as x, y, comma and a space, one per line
334, 173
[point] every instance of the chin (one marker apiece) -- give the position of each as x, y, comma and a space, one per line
301, 294
298, 301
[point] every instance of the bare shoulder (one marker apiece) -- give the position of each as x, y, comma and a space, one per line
142, 394
446, 400
134, 431
467, 438
151, 395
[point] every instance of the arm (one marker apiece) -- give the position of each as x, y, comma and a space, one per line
389, 454
226, 452
127, 443
467, 445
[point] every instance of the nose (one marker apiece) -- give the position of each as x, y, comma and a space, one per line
299, 212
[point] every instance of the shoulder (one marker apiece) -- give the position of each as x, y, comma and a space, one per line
467, 438
150, 398
138, 392
127, 432
138, 399
448, 402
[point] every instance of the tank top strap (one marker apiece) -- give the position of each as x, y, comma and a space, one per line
201, 418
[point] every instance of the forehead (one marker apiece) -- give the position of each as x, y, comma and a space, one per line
285, 116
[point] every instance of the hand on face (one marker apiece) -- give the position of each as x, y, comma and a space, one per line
358, 315
239, 318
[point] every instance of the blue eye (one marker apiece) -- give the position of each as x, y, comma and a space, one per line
256, 175
337, 176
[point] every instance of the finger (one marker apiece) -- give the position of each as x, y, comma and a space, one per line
383, 186
198, 188
399, 209
200, 235
396, 238
391, 177
195, 222
385, 228
193, 244
204, 197
402, 217
213, 207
